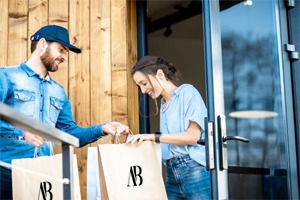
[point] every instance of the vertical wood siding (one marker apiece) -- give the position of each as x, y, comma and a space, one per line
98, 81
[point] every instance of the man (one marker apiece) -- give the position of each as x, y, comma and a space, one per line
28, 88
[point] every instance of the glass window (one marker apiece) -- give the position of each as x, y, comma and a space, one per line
253, 101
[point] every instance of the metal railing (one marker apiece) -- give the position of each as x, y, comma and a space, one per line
65, 140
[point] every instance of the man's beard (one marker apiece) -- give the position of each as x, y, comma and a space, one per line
49, 61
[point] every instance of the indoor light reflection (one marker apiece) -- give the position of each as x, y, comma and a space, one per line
250, 114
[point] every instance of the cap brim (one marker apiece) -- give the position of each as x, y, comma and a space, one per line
73, 48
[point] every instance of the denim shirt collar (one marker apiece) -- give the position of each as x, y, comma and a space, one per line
30, 72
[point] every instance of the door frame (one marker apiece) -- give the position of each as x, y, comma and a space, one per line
293, 14
214, 90
288, 36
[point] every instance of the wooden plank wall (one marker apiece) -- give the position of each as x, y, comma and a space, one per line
98, 81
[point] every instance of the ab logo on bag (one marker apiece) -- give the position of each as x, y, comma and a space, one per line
135, 173
45, 188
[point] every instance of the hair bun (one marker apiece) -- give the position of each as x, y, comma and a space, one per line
172, 69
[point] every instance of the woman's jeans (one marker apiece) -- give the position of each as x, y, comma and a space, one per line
187, 179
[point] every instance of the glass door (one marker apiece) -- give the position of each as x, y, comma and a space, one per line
246, 93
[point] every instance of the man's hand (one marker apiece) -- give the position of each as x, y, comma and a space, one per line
33, 139
114, 128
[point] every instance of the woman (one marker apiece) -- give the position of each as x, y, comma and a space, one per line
182, 114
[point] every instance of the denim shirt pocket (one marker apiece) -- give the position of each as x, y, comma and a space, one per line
24, 101
56, 105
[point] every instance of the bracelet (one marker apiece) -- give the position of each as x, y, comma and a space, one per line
157, 136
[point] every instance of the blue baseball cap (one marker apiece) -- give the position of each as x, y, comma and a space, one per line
54, 33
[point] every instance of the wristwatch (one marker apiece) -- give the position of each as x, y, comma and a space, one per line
157, 136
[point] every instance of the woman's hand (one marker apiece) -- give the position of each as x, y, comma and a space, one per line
139, 138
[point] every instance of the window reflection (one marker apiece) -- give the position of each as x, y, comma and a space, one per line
251, 75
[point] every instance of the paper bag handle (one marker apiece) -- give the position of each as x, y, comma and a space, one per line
116, 139
35, 155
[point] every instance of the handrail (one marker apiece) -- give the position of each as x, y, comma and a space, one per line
23, 122
55, 135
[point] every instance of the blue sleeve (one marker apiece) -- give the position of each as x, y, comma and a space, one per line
67, 124
195, 109
11, 131
3, 85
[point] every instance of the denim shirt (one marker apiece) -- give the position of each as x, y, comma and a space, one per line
185, 105
41, 99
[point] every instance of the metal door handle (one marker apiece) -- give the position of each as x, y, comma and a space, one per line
223, 145
209, 145
236, 138
242, 139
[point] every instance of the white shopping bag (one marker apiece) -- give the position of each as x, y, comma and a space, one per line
93, 177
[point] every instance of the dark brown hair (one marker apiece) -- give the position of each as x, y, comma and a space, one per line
150, 64
33, 45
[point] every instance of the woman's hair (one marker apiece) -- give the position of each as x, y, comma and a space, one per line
148, 65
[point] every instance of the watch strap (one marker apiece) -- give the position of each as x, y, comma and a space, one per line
157, 137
